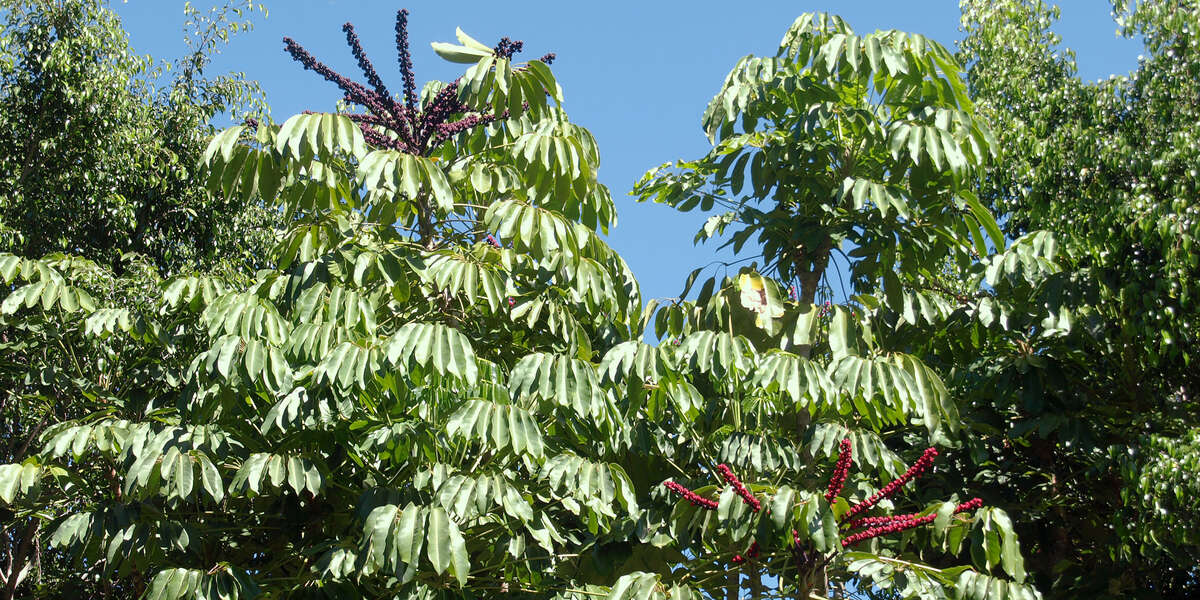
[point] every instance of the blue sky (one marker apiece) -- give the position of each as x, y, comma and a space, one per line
637, 74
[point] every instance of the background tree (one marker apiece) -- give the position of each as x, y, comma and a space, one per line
1098, 416
99, 159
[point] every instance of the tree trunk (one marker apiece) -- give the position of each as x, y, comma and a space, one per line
810, 267
18, 562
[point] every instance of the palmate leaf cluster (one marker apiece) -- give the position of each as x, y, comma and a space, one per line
440, 386
835, 149
348, 417
840, 143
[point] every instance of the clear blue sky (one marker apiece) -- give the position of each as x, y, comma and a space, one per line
637, 74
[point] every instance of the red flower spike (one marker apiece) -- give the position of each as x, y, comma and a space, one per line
890, 489
840, 471
878, 526
891, 527
972, 504
739, 488
872, 521
690, 496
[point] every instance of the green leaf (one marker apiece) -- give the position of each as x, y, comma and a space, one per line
460, 54
469, 41
460, 565
438, 539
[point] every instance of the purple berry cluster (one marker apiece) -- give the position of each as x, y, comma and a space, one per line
400, 124
405, 59
507, 48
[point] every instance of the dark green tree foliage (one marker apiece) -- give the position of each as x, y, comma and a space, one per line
1088, 431
401, 405
96, 160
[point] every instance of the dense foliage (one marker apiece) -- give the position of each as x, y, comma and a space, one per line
828, 154
385, 352
440, 383
1105, 416
99, 160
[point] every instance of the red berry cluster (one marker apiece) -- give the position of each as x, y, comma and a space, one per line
877, 526
739, 488
889, 527
890, 489
896, 523
972, 504
727, 474
840, 471
751, 553
409, 128
872, 521
691, 496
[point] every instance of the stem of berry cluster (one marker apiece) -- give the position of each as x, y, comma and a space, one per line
756, 586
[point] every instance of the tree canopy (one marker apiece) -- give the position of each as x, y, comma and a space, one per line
383, 350
1104, 416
